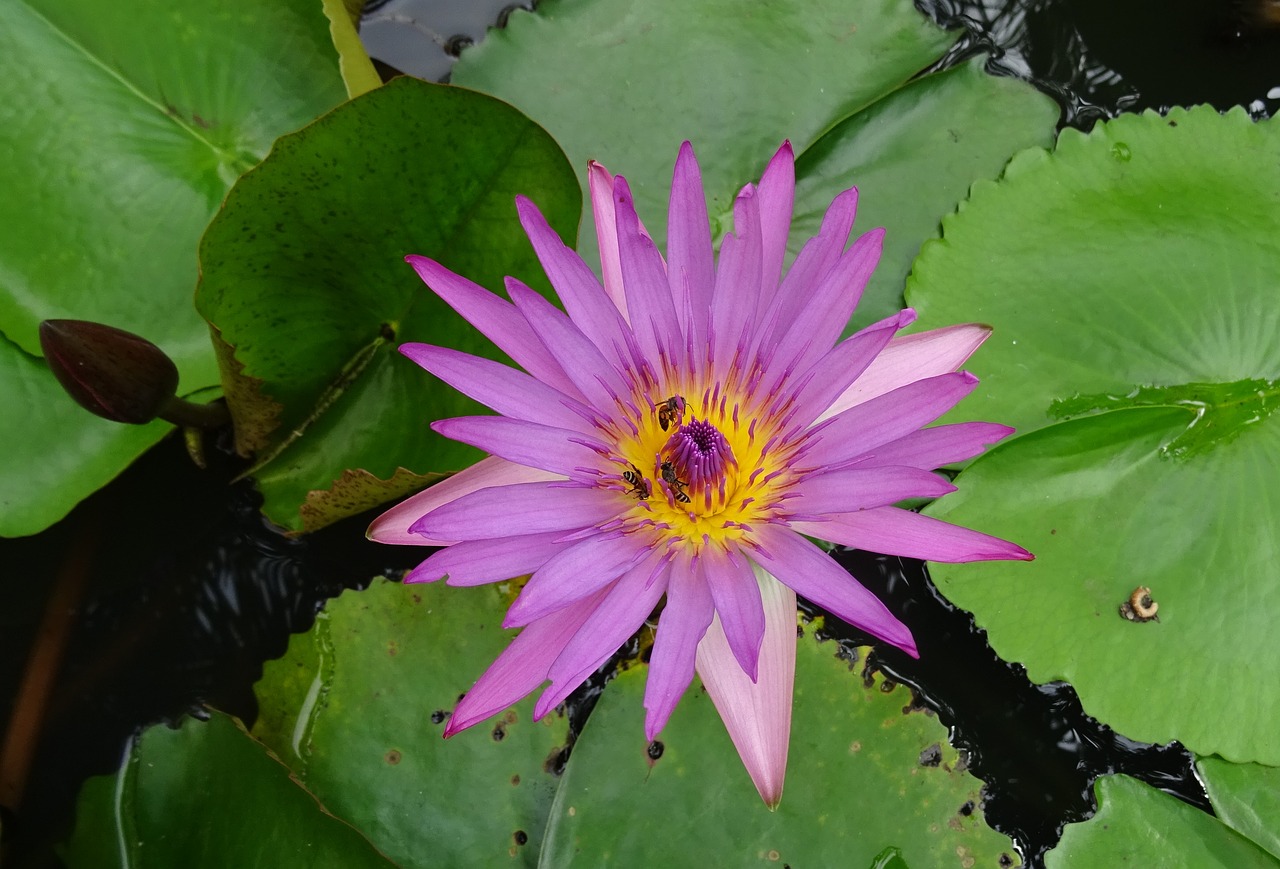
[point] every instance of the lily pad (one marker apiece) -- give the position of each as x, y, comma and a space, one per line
356, 709
834, 77
1137, 825
207, 795
123, 125
1132, 289
872, 781
1246, 797
303, 276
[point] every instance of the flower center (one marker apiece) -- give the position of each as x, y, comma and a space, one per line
700, 467
699, 454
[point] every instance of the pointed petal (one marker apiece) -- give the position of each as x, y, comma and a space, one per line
736, 594
522, 667
557, 450
476, 562
650, 307
497, 319
862, 488
690, 257
508, 391
737, 292
684, 621
829, 305
525, 508
816, 259
627, 603
885, 418
894, 531
584, 299
601, 183
393, 525
581, 361
815, 575
776, 198
578, 570
912, 357
831, 375
937, 446
757, 713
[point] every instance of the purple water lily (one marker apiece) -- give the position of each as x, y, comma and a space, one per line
678, 431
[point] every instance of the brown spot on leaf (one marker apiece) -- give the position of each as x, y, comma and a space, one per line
392, 757
354, 492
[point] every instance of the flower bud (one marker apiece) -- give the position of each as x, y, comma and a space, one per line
109, 372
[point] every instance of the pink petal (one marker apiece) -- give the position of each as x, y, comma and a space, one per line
508, 391
628, 602
736, 594
912, 357
937, 446
894, 531
582, 362
525, 508
650, 307
885, 418
690, 258
577, 571
588, 307
737, 291
497, 319
829, 305
521, 667
684, 621
775, 198
476, 562
557, 450
815, 575
815, 261
393, 525
862, 488
757, 713
601, 184
844, 363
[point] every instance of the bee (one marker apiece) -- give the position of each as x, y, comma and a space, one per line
677, 485
639, 485
671, 410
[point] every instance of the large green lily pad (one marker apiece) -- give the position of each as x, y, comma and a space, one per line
356, 709
1137, 825
1130, 277
303, 276
625, 81
1246, 797
123, 125
871, 780
208, 795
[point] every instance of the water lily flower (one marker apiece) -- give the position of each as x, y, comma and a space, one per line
679, 431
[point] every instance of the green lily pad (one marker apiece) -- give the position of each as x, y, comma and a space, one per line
123, 125
207, 795
1137, 825
303, 276
871, 781
1107, 510
834, 77
356, 709
1246, 797
1134, 288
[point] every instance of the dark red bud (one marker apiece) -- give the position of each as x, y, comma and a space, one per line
110, 372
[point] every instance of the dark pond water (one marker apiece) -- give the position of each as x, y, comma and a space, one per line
170, 590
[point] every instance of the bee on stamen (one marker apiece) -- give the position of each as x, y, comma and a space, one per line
677, 485
639, 485
671, 410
